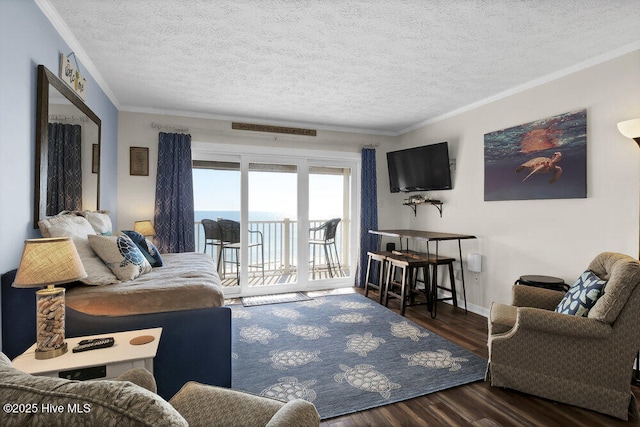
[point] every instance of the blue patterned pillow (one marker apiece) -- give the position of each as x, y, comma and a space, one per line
147, 248
582, 296
121, 255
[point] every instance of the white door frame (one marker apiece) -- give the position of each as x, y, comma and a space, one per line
303, 159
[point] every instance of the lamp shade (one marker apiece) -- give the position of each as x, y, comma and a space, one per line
48, 261
144, 227
630, 129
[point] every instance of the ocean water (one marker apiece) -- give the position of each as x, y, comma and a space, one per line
274, 251
271, 233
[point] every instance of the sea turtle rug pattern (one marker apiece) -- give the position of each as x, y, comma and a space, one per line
344, 353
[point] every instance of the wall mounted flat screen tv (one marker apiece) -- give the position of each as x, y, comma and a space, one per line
420, 169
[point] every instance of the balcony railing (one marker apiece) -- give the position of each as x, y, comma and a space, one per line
280, 246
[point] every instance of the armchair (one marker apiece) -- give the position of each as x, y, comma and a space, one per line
582, 361
131, 400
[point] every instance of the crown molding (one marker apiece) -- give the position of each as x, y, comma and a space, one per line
529, 85
63, 30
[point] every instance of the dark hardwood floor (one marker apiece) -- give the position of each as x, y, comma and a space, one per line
475, 404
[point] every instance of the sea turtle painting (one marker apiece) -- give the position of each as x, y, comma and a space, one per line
350, 318
439, 359
362, 344
405, 330
288, 388
255, 333
365, 377
308, 332
291, 358
543, 165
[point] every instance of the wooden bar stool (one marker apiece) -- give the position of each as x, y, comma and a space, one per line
434, 263
380, 258
407, 265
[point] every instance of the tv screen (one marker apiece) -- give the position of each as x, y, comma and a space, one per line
420, 169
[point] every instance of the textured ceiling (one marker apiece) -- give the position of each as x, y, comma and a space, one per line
376, 66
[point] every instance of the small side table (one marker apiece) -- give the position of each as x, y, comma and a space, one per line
548, 282
103, 363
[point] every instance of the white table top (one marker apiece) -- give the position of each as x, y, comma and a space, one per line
121, 351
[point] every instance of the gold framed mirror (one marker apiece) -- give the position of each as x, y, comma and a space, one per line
66, 178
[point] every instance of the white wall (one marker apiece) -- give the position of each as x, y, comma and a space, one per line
551, 237
136, 194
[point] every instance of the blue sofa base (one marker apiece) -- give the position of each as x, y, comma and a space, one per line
195, 344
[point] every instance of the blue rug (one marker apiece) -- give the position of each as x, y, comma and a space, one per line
344, 353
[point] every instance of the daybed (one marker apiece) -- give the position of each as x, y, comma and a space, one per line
184, 297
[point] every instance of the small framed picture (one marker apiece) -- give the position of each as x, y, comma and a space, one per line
95, 158
139, 161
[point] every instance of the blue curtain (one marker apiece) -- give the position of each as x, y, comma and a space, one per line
368, 211
64, 168
174, 217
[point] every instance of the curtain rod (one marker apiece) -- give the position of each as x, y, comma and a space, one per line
375, 145
178, 129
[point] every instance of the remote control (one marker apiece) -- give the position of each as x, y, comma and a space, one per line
94, 344
90, 341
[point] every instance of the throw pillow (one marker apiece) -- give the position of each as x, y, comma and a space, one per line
582, 295
147, 248
121, 255
99, 220
78, 228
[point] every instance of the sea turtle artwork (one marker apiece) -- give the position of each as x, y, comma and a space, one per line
255, 333
354, 305
405, 330
286, 313
439, 359
365, 377
288, 388
350, 318
308, 332
363, 344
541, 139
543, 165
291, 358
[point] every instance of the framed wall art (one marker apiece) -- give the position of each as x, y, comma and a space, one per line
139, 161
95, 158
543, 159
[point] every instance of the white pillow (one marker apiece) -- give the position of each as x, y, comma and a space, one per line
100, 221
121, 255
78, 228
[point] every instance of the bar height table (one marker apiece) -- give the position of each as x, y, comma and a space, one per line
430, 236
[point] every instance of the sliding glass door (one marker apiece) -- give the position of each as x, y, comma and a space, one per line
273, 213
282, 203
329, 221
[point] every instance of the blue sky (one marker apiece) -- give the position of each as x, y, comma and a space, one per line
217, 190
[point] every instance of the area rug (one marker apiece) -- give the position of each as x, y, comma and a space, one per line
274, 299
344, 353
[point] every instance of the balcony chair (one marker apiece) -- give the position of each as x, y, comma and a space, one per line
582, 361
212, 237
230, 233
325, 235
